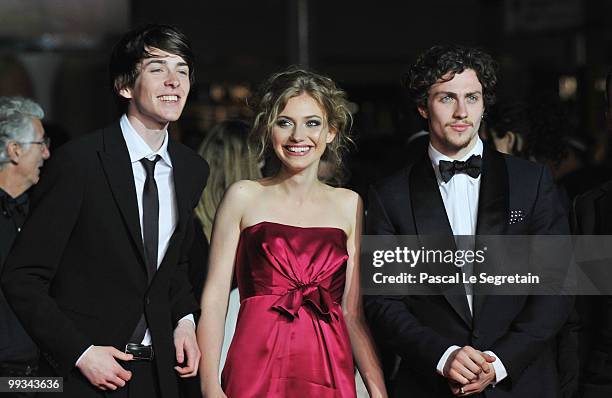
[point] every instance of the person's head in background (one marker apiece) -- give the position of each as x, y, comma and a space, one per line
506, 127
226, 150
291, 141
549, 134
23, 145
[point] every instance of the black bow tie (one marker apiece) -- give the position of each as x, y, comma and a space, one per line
470, 167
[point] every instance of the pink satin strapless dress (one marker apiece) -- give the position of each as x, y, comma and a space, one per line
291, 340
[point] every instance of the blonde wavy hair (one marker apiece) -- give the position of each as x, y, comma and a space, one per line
230, 159
274, 94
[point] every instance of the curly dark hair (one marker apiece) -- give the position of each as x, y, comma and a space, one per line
439, 61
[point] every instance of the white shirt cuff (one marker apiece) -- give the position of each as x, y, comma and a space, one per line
442, 361
189, 317
500, 370
82, 355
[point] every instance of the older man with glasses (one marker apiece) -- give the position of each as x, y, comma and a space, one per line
23, 149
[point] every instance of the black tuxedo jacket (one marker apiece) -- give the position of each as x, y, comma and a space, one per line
76, 275
593, 216
519, 329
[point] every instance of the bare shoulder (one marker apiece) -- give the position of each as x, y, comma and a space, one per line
235, 203
243, 189
348, 204
347, 199
241, 192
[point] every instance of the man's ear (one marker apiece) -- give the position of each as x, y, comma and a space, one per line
126, 92
13, 150
423, 112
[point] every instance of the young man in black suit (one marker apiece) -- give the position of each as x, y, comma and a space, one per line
464, 344
98, 276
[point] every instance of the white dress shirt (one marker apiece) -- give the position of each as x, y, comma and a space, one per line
460, 196
138, 149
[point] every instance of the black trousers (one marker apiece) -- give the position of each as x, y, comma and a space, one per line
143, 384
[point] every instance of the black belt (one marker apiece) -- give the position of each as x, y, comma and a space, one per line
139, 351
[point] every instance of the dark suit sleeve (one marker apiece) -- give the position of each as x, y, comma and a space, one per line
198, 259
33, 262
389, 317
542, 317
181, 291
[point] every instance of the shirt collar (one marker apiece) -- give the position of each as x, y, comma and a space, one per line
18, 200
138, 148
436, 155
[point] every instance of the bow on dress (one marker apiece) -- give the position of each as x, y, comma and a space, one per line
314, 294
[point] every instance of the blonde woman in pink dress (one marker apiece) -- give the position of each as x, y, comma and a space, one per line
293, 242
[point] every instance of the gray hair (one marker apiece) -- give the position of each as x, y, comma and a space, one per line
16, 115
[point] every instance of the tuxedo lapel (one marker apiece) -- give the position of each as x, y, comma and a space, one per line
493, 197
493, 206
118, 169
432, 223
429, 214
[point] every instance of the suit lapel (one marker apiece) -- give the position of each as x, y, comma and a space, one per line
181, 178
118, 169
429, 214
180, 173
493, 197
432, 223
493, 207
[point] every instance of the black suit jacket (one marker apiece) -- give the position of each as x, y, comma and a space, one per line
76, 275
519, 329
593, 216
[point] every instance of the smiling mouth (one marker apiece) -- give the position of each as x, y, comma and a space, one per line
168, 98
300, 150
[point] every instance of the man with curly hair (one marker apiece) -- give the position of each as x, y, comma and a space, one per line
464, 344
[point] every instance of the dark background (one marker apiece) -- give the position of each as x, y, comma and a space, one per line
56, 51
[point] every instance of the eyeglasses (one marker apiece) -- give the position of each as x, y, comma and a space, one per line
46, 141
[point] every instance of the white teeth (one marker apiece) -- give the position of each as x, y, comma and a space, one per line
298, 149
169, 98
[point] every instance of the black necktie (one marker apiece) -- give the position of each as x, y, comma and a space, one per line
150, 216
470, 167
150, 233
